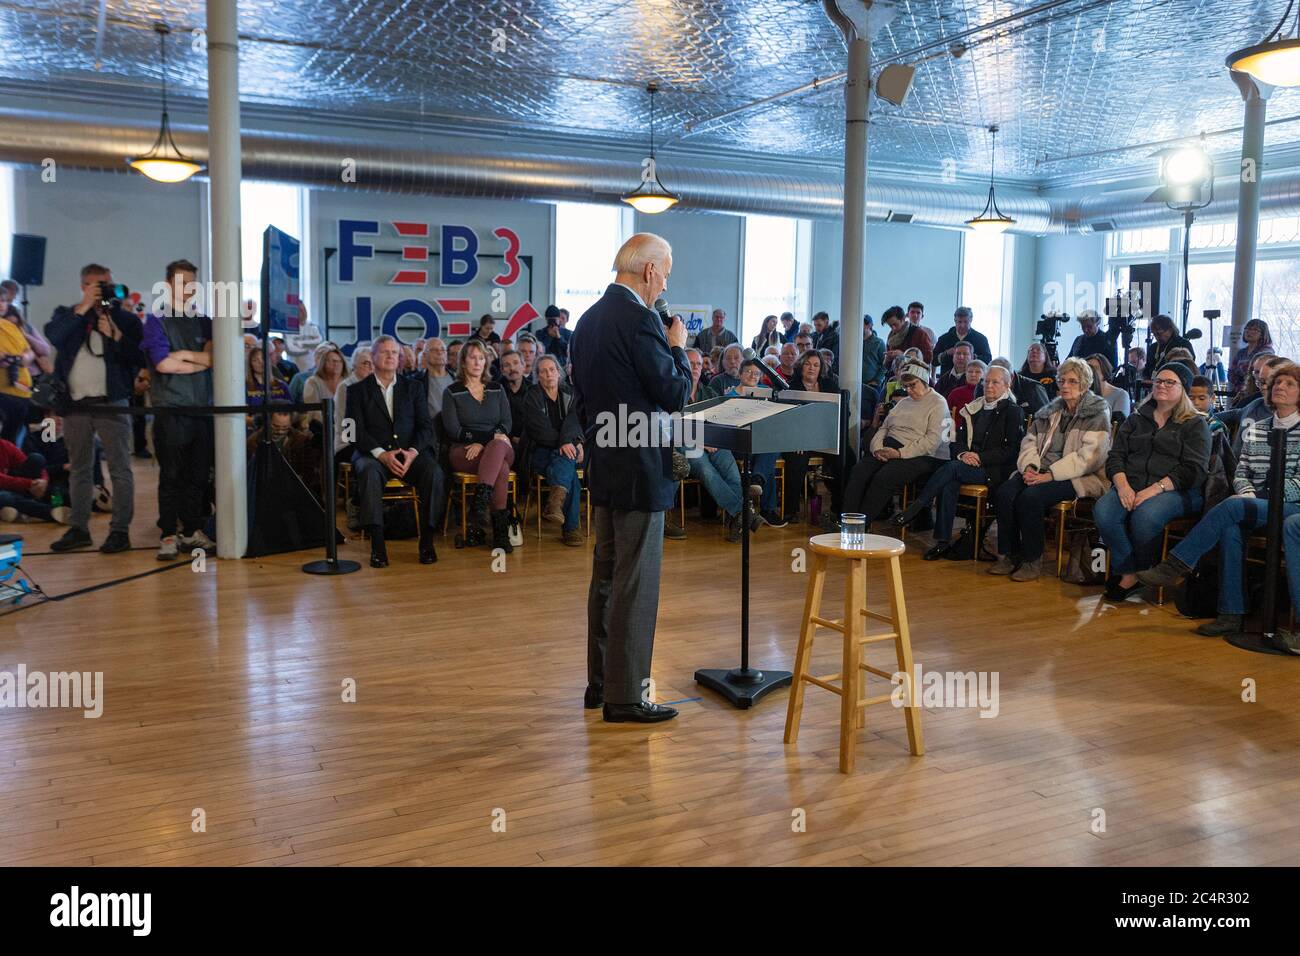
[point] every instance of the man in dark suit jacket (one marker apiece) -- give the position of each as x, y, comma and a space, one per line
628, 374
394, 438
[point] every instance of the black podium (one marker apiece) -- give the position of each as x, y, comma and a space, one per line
748, 426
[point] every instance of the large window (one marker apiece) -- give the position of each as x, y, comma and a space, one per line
6, 216
986, 284
586, 237
262, 205
1210, 270
776, 274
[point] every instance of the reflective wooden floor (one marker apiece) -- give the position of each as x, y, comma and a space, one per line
1120, 738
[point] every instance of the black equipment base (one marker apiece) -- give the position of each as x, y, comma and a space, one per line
331, 567
743, 687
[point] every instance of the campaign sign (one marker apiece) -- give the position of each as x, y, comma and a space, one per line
390, 284
280, 281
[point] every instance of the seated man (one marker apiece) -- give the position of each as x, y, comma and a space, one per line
962, 355
395, 438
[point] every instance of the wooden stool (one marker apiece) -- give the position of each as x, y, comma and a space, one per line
852, 706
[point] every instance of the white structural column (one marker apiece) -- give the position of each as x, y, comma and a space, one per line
1252, 167
223, 209
858, 20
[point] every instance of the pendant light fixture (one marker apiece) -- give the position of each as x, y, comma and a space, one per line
991, 219
1273, 61
650, 196
165, 163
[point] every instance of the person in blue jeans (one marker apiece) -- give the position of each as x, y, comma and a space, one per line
762, 467
1157, 466
989, 431
1230, 523
554, 435
1291, 546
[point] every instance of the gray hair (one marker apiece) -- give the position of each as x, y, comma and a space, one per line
548, 357
639, 250
380, 339
1080, 368
428, 343
1002, 362
696, 351
1003, 372
359, 353
733, 347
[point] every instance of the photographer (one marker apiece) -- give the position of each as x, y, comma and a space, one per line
98, 345
1093, 341
555, 339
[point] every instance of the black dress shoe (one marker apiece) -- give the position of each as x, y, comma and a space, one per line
937, 552
72, 539
428, 554
637, 713
594, 697
378, 560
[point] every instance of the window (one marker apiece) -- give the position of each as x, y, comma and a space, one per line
984, 279
776, 275
1277, 302
262, 205
6, 216
1133, 241
586, 237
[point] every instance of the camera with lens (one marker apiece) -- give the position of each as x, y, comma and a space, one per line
112, 294
1123, 311
1049, 325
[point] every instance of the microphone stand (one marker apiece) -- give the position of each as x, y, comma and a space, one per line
1266, 641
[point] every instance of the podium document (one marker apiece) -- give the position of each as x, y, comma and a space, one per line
746, 427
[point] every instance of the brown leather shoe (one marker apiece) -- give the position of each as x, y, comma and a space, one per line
573, 539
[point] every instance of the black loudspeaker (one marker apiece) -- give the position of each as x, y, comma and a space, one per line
27, 260
1146, 276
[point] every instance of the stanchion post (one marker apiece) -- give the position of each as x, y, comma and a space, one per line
331, 564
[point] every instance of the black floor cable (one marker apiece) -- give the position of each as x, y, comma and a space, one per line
88, 590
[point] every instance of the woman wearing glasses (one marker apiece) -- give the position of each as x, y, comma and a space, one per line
1158, 466
910, 445
1062, 457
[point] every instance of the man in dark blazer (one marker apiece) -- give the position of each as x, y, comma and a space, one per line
394, 438
629, 374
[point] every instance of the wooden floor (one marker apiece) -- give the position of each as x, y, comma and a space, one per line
223, 692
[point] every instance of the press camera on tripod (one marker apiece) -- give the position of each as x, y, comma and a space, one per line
1047, 330
1122, 313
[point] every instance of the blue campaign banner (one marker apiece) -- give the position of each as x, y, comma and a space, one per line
280, 282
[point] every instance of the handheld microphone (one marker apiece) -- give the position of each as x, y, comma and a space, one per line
661, 307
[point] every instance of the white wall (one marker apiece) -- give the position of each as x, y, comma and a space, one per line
707, 253
904, 262
126, 222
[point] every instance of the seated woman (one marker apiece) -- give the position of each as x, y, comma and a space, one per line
807, 378
962, 395
1062, 457
1158, 466
253, 386
476, 417
330, 372
1229, 523
909, 446
1117, 398
989, 430
554, 436
1039, 368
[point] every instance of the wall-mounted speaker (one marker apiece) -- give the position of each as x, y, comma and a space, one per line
27, 259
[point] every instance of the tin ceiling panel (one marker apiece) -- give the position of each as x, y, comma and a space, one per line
1071, 84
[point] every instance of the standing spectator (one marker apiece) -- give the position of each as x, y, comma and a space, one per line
1212, 368
873, 367
826, 335
960, 332
1256, 340
916, 316
717, 335
767, 336
98, 345
789, 328
1166, 338
1093, 341
803, 342
903, 335
1129, 375
1158, 465
556, 337
178, 346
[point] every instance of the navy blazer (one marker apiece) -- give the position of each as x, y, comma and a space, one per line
624, 370
409, 427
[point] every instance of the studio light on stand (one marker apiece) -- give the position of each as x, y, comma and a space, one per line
650, 196
991, 219
1275, 60
165, 163
1186, 185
